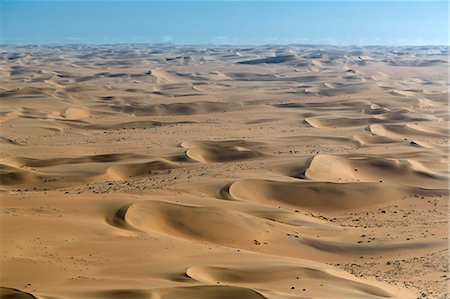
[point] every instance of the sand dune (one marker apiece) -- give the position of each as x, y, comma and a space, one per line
178, 108
406, 132
314, 196
327, 105
320, 122
235, 229
221, 151
140, 124
169, 171
23, 92
199, 223
9, 293
122, 172
13, 176
23, 171
39, 163
334, 168
207, 292
321, 282
368, 139
275, 59
76, 113
339, 122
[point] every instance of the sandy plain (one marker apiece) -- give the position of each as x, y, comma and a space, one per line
161, 171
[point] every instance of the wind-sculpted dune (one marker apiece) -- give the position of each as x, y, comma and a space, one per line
176, 172
321, 280
221, 151
27, 171
314, 196
333, 168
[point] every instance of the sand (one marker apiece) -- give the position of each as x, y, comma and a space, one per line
161, 171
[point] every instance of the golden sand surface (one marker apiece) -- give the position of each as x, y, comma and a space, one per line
162, 171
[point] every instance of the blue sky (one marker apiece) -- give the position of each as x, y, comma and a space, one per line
225, 22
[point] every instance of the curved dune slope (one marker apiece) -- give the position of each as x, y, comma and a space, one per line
76, 113
206, 292
334, 168
42, 163
10, 293
339, 122
119, 166
209, 224
323, 281
177, 108
369, 139
124, 171
408, 131
14, 176
237, 229
314, 196
221, 151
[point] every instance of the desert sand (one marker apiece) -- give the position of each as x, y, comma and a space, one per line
162, 171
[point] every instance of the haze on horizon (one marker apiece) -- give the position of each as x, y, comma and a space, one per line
225, 22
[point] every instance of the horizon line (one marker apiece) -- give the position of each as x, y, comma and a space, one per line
218, 44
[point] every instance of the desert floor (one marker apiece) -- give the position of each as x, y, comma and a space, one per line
137, 171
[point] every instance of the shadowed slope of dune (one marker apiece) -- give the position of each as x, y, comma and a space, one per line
314, 196
337, 105
5, 140
125, 171
42, 163
196, 222
222, 151
73, 170
198, 107
235, 229
182, 292
269, 60
15, 176
206, 292
24, 92
339, 122
10, 293
321, 281
140, 124
408, 131
122, 293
